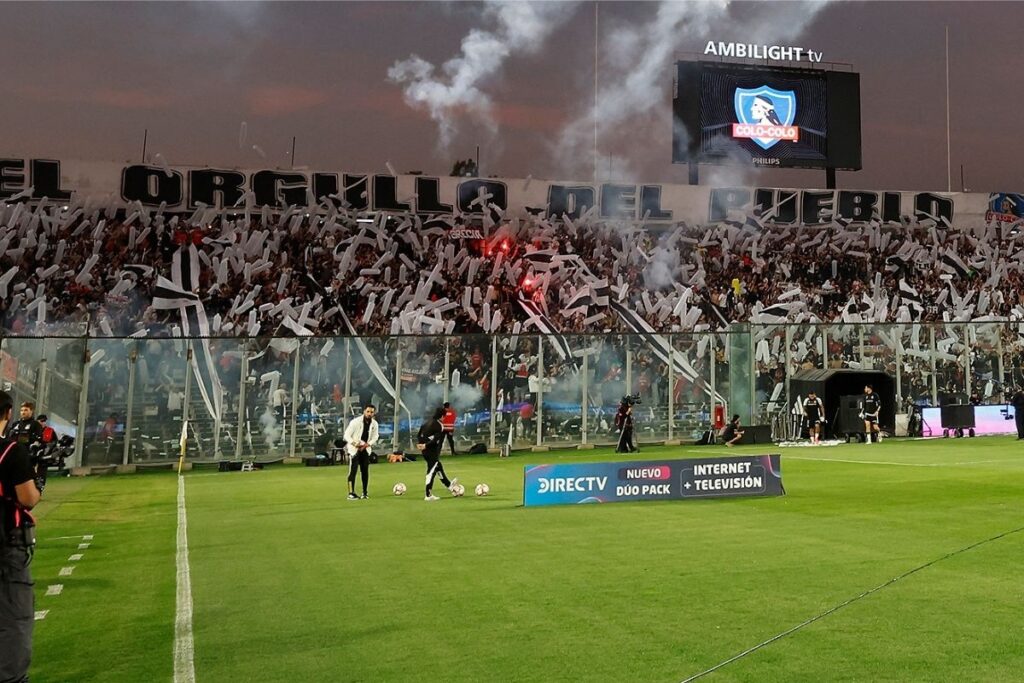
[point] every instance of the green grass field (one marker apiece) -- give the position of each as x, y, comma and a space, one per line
291, 582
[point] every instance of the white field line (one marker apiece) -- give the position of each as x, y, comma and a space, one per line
184, 663
896, 464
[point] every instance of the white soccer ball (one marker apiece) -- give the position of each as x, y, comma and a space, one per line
398, 489
458, 490
482, 489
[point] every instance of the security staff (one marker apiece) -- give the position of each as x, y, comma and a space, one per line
1018, 410
18, 495
448, 420
360, 436
27, 430
429, 441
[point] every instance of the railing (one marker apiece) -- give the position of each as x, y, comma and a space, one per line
125, 398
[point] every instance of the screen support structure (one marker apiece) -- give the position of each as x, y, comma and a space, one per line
694, 173
830, 178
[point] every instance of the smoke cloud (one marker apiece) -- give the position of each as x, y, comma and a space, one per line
456, 88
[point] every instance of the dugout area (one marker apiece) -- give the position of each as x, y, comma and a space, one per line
837, 389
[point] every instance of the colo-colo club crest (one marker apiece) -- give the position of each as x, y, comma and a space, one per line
765, 115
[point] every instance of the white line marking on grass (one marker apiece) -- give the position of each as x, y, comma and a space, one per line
55, 589
184, 662
87, 537
897, 464
75, 558
66, 571
831, 610
41, 614
83, 546
66, 538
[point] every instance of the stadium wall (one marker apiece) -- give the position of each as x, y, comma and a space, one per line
186, 188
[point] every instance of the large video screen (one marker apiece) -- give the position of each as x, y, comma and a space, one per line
766, 116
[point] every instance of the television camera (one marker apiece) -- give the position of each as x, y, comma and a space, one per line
630, 400
47, 456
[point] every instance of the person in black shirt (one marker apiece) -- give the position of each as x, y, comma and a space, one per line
18, 494
27, 431
429, 441
814, 415
871, 406
1017, 401
624, 423
731, 433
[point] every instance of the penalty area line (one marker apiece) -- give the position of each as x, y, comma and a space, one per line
184, 662
836, 608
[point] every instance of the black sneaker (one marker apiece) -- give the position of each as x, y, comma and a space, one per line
353, 496
365, 497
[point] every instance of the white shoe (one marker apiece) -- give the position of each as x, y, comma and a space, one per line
431, 498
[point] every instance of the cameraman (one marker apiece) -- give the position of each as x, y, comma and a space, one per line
18, 495
27, 431
1017, 401
624, 423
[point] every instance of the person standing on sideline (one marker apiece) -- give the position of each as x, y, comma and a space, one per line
448, 424
361, 435
429, 442
814, 415
624, 423
871, 407
27, 431
1018, 411
18, 495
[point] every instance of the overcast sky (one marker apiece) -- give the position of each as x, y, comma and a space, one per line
83, 80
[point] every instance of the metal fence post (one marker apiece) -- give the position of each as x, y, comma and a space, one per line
83, 407
539, 412
931, 359
671, 388
398, 393
494, 389
132, 358
242, 417
447, 370
295, 397
967, 359
584, 397
348, 379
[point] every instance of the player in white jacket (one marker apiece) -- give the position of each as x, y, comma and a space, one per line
360, 436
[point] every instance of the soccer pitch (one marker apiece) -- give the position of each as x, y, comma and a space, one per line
291, 582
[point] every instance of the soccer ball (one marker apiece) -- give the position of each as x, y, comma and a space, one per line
458, 490
398, 489
482, 489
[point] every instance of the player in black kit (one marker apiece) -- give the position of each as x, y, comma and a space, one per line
429, 440
814, 415
871, 406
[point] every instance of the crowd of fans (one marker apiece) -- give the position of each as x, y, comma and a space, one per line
400, 274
